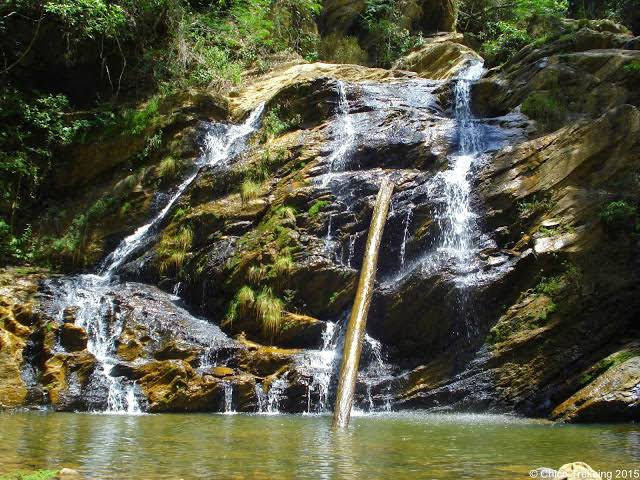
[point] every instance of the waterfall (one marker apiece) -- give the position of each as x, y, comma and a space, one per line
318, 366
96, 313
344, 136
276, 394
260, 397
457, 219
228, 398
217, 149
405, 235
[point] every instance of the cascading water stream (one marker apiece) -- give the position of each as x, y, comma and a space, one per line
217, 149
344, 134
88, 293
457, 219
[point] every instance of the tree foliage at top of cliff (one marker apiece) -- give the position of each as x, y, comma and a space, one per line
503, 27
61, 56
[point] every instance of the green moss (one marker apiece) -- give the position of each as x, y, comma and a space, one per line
605, 364
545, 108
317, 207
504, 329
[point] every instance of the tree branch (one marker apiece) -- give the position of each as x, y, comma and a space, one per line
29, 47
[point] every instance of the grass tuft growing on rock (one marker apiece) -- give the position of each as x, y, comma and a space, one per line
168, 167
249, 190
269, 310
534, 206
174, 249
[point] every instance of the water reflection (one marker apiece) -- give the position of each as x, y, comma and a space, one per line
399, 446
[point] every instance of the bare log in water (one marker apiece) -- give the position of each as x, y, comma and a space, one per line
358, 319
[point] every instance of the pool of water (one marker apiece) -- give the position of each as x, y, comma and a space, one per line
395, 446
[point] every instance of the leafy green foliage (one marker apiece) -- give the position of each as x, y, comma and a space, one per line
504, 27
337, 48
273, 125
619, 216
633, 66
535, 205
390, 38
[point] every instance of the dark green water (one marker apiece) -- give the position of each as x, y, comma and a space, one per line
390, 446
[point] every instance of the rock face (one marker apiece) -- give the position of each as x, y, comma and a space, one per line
17, 290
613, 396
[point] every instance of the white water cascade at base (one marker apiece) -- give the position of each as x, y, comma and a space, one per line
228, 398
87, 293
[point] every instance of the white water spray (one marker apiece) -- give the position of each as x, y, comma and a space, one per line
88, 293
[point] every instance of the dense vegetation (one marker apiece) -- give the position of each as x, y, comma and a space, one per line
73, 67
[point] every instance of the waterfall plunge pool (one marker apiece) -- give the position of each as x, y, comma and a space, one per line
402, 445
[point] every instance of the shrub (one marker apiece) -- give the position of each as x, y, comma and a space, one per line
273, 125
23, 475
336, 48
633, 66
619, 216
509, 39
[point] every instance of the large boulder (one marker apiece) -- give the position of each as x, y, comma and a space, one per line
440, 59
